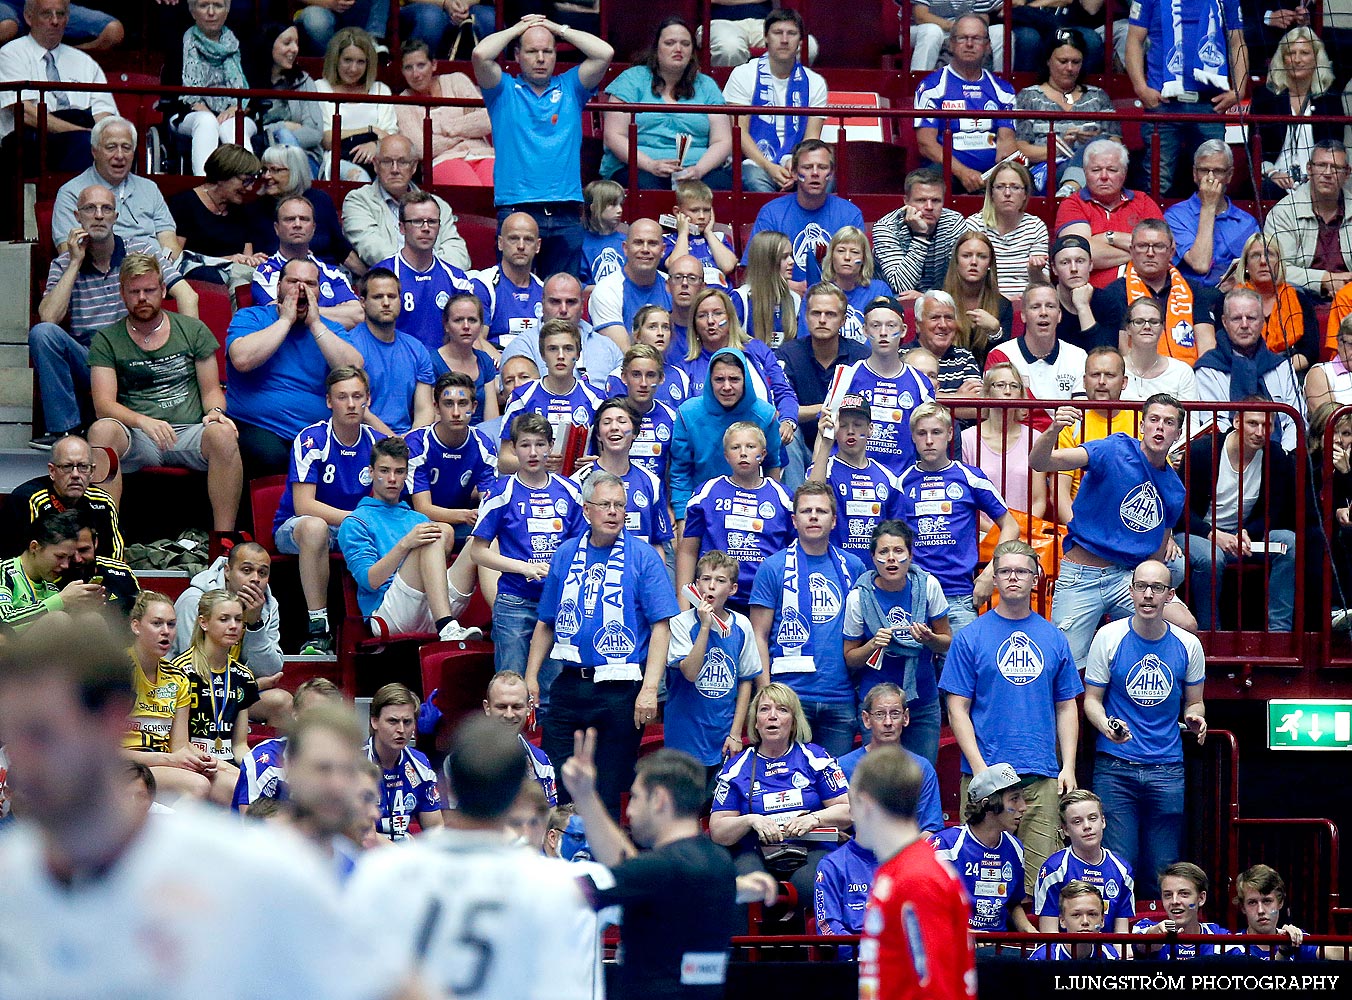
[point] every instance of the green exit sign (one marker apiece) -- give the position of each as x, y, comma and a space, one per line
1310, 724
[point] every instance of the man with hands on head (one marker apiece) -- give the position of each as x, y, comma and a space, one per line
278, 356
537, 130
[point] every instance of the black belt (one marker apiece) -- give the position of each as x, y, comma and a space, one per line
547, 207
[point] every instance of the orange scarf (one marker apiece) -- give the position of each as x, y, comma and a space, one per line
1179, 339
1286, 323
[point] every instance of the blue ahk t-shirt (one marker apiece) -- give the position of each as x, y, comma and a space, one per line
806, 229
806, 649
451, 473
860, 497
699, 713
542, 770
652, 444
1124, 506
699, 249
942, 508
602, 256
408, 788
891, 401
993, 876
577, 406
529, 524
748, 524
1014, 671
640, 593
1112, 875
424, 295
340, 473
803, 780
1064, 953
1144, 681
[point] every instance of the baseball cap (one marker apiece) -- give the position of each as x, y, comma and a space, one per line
996, 778
886, 302
856, 404
1071, 242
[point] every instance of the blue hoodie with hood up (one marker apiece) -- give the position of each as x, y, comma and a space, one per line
697, 439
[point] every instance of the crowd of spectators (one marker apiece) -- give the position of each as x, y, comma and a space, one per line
750, 511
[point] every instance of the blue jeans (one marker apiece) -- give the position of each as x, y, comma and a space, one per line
1203, 579
1143, 808
833, 725
1173, 136
961, 611
485, 19
62, 364
513, 625
1029, 49
318, 25
425, 22
85, 24
561, 235
921, 735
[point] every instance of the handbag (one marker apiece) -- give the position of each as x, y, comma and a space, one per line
781, 860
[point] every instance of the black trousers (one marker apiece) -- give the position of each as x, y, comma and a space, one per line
579, 703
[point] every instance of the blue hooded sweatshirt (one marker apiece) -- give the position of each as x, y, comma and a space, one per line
697, 439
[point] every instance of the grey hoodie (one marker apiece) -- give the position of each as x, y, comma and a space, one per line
260, 649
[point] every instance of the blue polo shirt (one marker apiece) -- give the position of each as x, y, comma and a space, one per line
537, 138
1231, 231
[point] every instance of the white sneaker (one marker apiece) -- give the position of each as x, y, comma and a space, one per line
453, 632
1342, 619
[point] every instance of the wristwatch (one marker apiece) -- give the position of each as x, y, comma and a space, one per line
1111, 237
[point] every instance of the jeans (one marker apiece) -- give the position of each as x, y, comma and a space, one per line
1084, 594
485, 19
279, 135
1143, 807
1029, 49
718, 180
921, 735
62, 364
608, 707
1172, 139
85, 24
803, 879
425, 22
961, 611
833, 726
1203, 579
561, 235
797, 458
318, 25
754, 178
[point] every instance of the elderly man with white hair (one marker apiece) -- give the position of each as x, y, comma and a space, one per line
142, 213
1104, 211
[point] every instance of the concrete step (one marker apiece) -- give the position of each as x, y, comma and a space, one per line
16, 390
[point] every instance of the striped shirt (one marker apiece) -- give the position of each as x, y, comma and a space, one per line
96, 299
909, 262
1012, 250
24, 600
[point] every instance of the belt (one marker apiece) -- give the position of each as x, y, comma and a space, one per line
1138, 763
547, 207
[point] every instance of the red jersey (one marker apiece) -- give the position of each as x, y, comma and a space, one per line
916, 943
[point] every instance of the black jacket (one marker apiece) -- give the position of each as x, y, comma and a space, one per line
1276, 492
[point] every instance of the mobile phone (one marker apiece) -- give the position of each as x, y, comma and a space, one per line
96, 580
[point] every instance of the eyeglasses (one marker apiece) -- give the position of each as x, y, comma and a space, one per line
1015, 573
421, 223
1145, 324
68, 467
1328, 168
888, 715
1216, 171
685, 279
1151, 247
1006, 387
1149, 588
396, 161
98, 210
606, 504
1010, 188
274, 168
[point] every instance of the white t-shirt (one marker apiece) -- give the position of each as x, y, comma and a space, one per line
1230, 513
496, 920
1177, 380
741, 89
166, 920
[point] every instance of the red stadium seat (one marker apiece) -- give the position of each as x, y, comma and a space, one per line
265, 496
459, 672
214, 309
481, 239
354, 636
